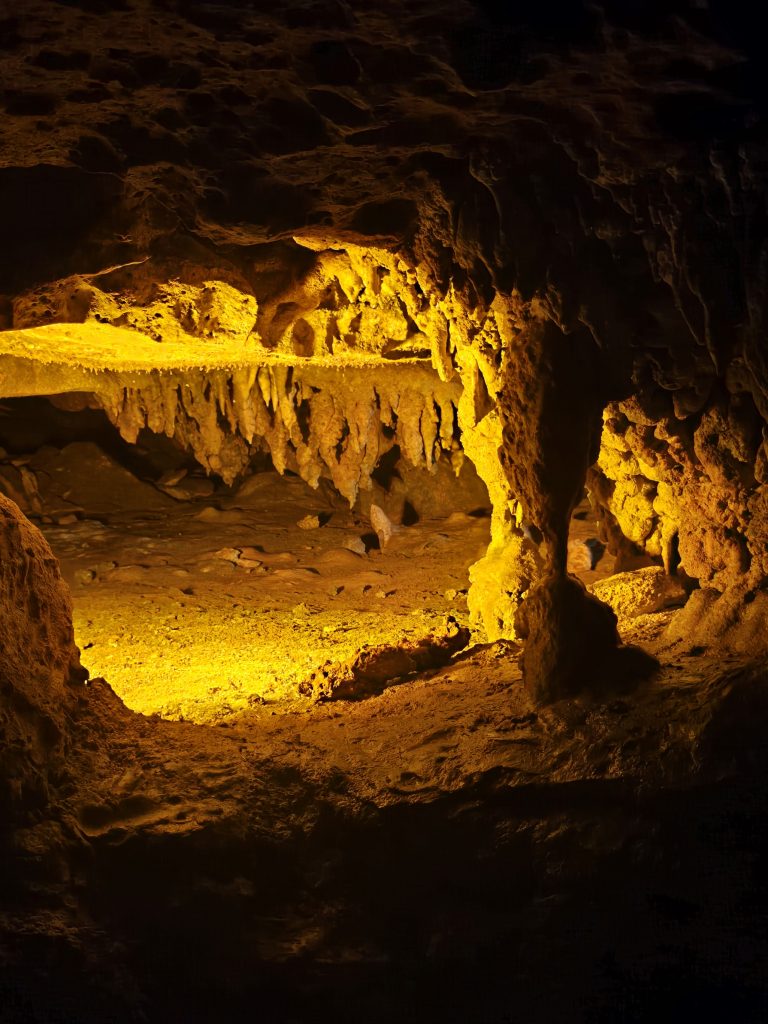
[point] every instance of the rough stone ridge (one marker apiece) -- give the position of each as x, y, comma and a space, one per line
39, 663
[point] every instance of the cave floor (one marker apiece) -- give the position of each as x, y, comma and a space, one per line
202, 606
442, 852
429, 854
199, 612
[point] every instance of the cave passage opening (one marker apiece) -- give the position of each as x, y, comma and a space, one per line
197, 599
377, 409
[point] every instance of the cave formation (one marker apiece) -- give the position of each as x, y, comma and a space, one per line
383, 541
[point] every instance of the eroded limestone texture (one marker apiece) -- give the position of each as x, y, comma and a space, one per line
686, 485
559, 210
374, 668
412, 366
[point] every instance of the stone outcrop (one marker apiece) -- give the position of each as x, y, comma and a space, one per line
641, 592
39, 665
687, 487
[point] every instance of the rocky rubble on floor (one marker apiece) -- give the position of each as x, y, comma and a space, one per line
61, 485
372, 669
83, 478
18, 483
641, 591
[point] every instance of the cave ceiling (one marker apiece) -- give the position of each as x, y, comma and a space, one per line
582, 154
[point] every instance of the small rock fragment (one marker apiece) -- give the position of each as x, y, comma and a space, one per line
210, 514
193, 487
309, 523
171, 477
583, 555
356, 544
383, 525
228, 554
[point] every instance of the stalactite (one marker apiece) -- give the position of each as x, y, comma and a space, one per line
337, 427
408, 432
356, 352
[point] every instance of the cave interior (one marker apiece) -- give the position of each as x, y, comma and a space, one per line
383, 512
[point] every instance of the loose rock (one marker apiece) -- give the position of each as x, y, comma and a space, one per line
640, 592
372, 669
309, 523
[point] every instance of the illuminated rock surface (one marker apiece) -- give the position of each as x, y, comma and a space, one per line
369, 246
641, 592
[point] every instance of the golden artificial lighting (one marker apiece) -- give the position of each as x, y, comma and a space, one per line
188, 362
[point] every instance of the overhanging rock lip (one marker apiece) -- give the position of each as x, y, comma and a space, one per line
94, 347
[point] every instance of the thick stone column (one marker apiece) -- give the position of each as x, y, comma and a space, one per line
550, 407
512, 563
